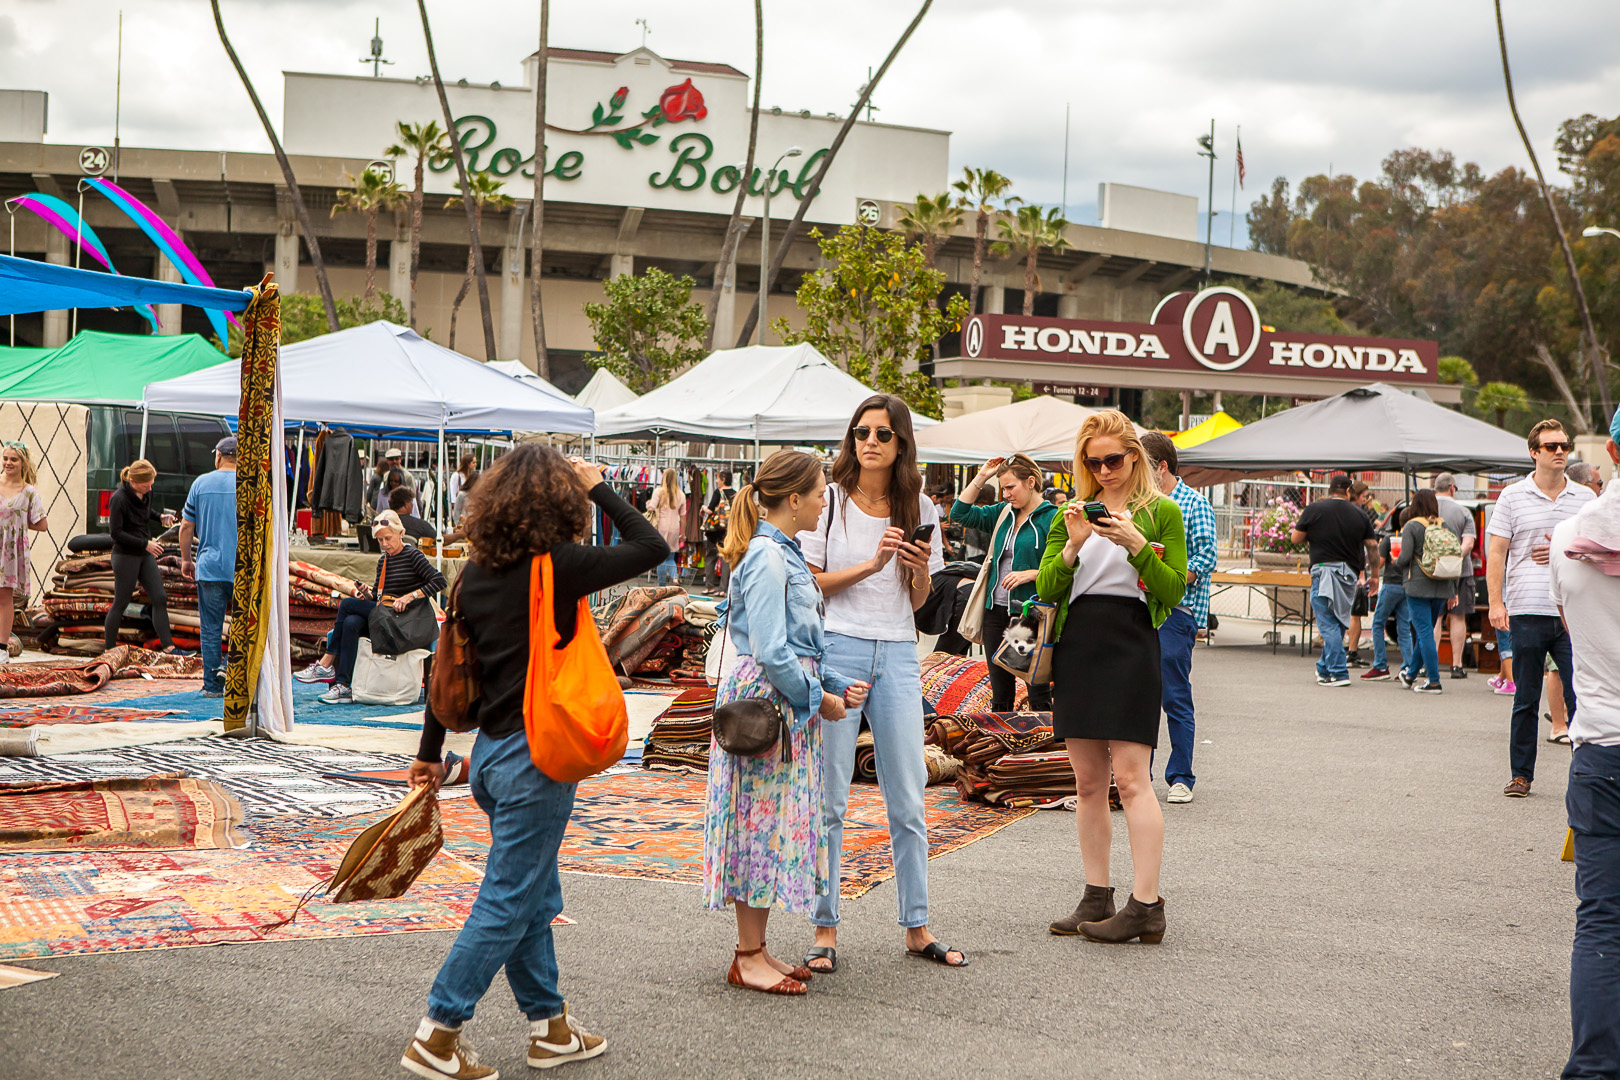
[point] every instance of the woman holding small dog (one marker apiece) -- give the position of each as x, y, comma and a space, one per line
1115, 565
1017, 532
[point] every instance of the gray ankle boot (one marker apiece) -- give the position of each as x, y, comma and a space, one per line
1095, 905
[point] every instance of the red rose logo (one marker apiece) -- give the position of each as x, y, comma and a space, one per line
683, 102
619, 97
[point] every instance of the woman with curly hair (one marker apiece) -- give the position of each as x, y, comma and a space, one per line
531, 502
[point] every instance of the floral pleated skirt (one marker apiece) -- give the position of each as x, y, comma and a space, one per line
763, 841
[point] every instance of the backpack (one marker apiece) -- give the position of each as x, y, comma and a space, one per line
457, 679
1442, 557
718, 519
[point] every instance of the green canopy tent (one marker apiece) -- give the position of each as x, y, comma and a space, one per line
102, 369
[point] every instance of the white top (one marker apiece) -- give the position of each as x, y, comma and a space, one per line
1591, 602
1525, 516
878, 608
1104, 569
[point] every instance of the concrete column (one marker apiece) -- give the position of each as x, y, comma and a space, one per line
56, 322
994, 298
725, 316
169, 314
514, 285
619, 265
1069, 306
287, 256
399, 260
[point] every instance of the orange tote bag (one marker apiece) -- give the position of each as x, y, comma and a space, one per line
573, 708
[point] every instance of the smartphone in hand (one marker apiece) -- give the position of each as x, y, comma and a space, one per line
922, 534
1095, 512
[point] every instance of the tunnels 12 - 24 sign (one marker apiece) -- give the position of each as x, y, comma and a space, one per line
1216, 329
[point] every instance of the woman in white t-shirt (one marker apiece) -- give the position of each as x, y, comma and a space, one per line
874, 567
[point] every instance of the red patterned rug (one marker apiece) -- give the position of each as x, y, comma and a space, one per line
76, 714
155, 813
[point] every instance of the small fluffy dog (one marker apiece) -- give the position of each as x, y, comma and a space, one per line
1023, 637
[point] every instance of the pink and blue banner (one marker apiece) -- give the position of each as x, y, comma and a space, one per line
66, 220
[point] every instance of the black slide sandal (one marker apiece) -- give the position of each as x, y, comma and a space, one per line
939, 954
821, 953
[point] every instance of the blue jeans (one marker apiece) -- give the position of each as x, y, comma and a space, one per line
669, 572
1177, 636
212, 599
893, 711
510, 921
1333, 664
1593, 803
1392, 601
1535, 637
1421, 612
353, 622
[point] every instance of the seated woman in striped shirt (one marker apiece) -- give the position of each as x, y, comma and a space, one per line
410, 579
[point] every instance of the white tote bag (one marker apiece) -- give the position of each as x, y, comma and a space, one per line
388, 680
971, 625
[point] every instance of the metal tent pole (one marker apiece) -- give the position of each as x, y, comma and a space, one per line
145, 416
438, 505
298, 464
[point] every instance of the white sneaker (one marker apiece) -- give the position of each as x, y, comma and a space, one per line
1179, 793
1322, 680
315, 673
338, 695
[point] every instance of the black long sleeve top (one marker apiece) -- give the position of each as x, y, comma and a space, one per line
127, 517
495, 604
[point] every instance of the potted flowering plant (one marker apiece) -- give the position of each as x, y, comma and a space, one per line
1269, 534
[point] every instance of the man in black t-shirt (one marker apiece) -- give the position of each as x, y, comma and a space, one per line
1341, 538
712, 538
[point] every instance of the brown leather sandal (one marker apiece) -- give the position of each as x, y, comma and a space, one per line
800, 972
788, 986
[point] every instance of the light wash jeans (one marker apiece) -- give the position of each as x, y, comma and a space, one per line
1392, 601
510, 921
893, 711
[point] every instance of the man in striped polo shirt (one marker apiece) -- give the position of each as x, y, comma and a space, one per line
1520, 538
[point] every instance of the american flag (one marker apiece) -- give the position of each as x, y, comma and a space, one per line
1242, 172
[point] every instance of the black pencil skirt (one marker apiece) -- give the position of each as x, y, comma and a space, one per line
1105, 672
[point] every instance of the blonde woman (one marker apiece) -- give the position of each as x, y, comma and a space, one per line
20, 512
1116, 566
764, 843
668, 505
135, 554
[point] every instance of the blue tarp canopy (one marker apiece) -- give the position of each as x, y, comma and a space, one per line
26, 286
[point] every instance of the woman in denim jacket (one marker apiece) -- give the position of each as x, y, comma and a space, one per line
764, 844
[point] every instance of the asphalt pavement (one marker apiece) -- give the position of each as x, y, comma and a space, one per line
1349, 895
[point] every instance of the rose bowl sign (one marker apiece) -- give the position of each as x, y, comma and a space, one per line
1214, 330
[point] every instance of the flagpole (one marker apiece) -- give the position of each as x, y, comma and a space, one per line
1231, 231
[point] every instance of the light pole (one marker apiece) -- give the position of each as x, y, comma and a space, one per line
1598, 230
765, 240
1206, 145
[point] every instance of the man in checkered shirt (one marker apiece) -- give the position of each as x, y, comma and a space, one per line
1180, 631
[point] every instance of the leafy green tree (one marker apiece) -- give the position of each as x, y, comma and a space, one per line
984, 191
1456, 371
1501, 398
1030, 230
368, 194
867, 310
304, 316
1269, 219
428, 144
649, 328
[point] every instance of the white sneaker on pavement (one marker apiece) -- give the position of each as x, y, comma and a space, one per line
1179, 793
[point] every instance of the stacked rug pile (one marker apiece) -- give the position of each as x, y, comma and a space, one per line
655, 636
315, 595
942, 768
1008, 759
955, 684
679, 739
74, 608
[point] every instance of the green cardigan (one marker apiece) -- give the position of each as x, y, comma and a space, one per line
1029, 545
1166, 578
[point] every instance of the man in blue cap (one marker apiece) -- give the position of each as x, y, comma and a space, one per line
209, 517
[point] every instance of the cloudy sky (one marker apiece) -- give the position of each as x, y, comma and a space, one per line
1313, 83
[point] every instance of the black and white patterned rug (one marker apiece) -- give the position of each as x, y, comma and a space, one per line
269, 778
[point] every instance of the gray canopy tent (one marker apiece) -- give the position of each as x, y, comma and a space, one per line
1371, 427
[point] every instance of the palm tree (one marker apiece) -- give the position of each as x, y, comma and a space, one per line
931, 221
486, 191
1030, 230
304, 222
982, 189
370, 193
733, 238
1502, 398
429, 145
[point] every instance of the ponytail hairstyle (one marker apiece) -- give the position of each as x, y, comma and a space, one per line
138, 471
27, 474
786, 473
1023, 467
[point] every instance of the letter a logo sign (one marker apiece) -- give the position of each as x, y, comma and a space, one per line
1221, 328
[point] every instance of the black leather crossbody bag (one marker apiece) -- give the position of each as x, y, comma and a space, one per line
752, 726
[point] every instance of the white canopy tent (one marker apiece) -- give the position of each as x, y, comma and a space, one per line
518, 370
385, 377
1042, 427
605, 392
763, 393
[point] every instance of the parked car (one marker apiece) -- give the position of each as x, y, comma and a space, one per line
179, 445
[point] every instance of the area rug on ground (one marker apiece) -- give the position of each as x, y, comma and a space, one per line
79, 714
155, 813
187, 703
268, 778
632, 824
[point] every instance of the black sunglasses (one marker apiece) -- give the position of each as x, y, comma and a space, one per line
862, 433
1557, 447
1113, 462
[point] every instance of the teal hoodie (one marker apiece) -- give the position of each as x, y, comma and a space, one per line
1028, 546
